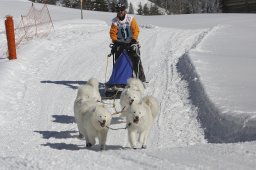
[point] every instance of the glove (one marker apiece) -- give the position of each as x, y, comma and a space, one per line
133, 45
114, 47
133, 41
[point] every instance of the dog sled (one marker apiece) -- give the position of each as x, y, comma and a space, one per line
123, 68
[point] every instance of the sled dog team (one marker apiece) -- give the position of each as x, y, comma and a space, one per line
93, 118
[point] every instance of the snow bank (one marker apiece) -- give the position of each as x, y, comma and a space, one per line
218, 128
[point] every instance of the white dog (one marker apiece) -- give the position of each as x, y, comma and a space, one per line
87, 92
132, 93
95, 122
139, 119
128, 96
80, 108
136, 84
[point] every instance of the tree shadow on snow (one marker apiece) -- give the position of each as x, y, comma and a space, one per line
217, 127
73, 147
63, 119
56, 134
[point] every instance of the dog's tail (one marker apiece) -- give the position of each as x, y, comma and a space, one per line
153, 105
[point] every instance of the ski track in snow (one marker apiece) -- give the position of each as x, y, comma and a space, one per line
48, 123
177, 124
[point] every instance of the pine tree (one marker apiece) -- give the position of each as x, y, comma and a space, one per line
146, 10
71, 3
154, 10
189, 6
67, 3
88, 4
140, 9
100, 5
113, 5
126, 3
53, 2
104, 6
131, 10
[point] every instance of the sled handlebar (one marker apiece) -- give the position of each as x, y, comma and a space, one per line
116, 44
123, 46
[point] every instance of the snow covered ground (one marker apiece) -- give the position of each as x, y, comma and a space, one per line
200, 68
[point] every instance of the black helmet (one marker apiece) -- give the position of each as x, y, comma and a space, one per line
120, 6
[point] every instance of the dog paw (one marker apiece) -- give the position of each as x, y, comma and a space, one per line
88, 145
102, 148
144, 147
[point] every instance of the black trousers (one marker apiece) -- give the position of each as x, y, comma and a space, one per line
136, 62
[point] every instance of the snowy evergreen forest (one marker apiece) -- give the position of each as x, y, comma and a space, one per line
156, 7
189, 6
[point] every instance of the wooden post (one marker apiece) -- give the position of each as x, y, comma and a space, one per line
9, 27
81, 4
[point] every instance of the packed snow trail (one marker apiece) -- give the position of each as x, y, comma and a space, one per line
71, 55
177, 124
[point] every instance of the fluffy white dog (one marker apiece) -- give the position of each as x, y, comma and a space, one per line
132, 93
135, 84
85, 93
128, 96
80, 109
139, 119
89, 91
95, 122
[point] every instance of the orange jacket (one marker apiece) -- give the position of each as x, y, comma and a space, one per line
133, 27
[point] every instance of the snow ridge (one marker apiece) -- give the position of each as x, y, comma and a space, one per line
218, 128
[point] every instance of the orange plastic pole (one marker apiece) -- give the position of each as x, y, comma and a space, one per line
9, 27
